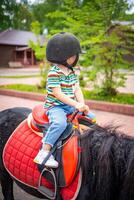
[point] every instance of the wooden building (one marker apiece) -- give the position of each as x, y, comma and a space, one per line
14, 47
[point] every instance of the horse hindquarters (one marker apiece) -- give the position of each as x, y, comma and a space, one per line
9, 120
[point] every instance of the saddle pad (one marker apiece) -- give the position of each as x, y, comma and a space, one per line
19, 152
18, 155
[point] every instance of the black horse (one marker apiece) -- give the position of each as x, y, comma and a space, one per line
107, 161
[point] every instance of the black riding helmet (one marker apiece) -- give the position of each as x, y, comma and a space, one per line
61, 47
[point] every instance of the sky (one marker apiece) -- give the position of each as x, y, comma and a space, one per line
131, 1
129, 12
132, 9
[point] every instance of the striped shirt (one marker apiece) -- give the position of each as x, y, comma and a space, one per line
56, 78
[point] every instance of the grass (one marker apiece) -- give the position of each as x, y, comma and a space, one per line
119, 98
23, 87
21, 76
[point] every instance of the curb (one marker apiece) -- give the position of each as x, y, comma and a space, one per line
111, 107
25, 95
97, 105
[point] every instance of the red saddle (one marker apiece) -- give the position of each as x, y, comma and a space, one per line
23, 146
40, 117
39, 114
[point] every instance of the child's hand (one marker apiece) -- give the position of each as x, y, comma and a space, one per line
86, 111
82, 108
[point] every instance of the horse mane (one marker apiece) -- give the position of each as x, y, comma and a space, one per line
107, 164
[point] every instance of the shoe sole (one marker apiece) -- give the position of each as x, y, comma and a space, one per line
50, 166
47, 165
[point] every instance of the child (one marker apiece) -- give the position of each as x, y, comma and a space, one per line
63, 92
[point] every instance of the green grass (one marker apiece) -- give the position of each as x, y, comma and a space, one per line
23, 87
21, 76
119, 98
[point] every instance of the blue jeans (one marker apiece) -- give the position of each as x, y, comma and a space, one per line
58, 122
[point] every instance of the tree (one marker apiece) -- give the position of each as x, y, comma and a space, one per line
106, 54
22, 18
40, 50
7, 9
42, 13
37, 46
91, 21
107, 48
104, 51
15, 15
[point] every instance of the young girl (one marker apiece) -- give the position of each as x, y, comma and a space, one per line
63, 91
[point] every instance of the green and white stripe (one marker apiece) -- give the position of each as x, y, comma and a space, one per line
56, 78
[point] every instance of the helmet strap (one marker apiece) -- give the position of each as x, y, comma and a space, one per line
73, 64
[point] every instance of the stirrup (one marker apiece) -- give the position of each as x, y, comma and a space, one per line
44, 190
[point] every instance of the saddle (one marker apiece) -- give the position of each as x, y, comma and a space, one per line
70, 157
23, 146
38, 120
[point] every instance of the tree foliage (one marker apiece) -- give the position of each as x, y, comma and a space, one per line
15, 15
93, 22
39, 50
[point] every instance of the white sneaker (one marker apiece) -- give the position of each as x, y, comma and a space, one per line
51, 162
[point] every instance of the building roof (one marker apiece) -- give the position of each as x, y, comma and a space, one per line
18, 37
22, 48
123, 23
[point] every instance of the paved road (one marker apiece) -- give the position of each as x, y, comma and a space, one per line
20, 194
19, 71
129, 87
126, 122
28, 81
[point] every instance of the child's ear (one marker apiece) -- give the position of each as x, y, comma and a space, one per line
68, 59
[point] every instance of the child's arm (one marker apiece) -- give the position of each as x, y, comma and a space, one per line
80, 98
67, 100
78, 94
